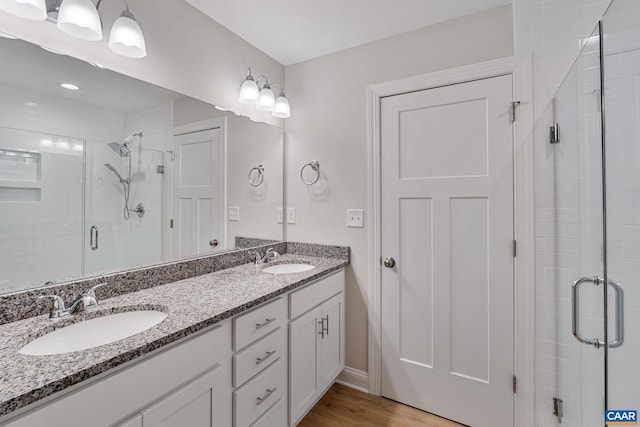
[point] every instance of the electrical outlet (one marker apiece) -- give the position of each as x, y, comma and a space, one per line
291, 215
280, 215
355, 218
234, 213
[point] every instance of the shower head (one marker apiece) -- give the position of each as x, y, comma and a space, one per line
112, 169
129, 139
121, 149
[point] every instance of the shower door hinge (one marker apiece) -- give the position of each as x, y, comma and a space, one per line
558, 409
514, 106
170, 223
515, 384
515, 248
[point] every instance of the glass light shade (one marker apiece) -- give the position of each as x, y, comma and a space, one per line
126, 37
266, 99
35, 10
80, 19
248, 92
282, 109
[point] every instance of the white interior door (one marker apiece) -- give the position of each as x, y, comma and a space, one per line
447, 220
197, 189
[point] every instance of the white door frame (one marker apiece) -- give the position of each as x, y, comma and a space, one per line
220, 122
524, 293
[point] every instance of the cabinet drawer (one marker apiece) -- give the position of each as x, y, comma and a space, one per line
305, 299
254, 398
258, 356
254, 325
276, 416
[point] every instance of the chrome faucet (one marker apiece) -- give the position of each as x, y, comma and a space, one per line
270, 254
85, 302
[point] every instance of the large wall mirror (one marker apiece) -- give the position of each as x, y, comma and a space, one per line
101, 172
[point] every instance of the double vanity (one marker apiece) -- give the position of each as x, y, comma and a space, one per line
245, 345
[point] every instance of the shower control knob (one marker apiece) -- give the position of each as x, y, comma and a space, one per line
389, 262
214, 243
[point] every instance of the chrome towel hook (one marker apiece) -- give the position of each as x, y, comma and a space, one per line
256, 175
315, 166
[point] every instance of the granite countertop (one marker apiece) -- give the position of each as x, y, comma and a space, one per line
190, 304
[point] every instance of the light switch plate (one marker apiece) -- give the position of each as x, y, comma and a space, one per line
234, 213
280, 215
355, 218
291, 215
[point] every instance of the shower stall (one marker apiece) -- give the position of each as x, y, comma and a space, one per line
76, 207
588, 231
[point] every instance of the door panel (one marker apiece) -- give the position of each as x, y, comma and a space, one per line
447, 209
197, 193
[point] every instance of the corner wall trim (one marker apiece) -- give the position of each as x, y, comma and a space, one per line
354, 378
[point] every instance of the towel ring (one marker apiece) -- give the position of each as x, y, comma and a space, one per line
315, 165
255, 179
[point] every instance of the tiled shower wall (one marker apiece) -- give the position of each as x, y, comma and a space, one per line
553, 32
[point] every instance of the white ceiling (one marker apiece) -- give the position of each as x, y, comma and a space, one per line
292, 31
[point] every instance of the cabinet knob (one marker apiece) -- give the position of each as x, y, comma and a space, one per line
214, 243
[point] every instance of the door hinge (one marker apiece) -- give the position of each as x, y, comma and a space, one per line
515, 384
558, 409
515, 248
170, 223
172, 154
514, 107
554, 134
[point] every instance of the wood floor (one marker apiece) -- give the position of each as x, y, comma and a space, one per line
344, 407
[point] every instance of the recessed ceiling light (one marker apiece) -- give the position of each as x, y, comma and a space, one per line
69, 86
48, 49
7, 36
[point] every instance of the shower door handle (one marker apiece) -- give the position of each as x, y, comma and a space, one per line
93, 237
575, 304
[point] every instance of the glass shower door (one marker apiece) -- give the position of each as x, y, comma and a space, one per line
123, 207
570, 379
621, 49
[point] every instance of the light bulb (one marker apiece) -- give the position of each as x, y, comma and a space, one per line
126, 37
35, 10
266, 99
248, 91
281, 109
80, 19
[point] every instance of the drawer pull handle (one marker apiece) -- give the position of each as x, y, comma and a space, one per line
269, 392
259, 360
265, 323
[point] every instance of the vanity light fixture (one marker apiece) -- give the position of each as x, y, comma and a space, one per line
80, 19
264, 98
35, 10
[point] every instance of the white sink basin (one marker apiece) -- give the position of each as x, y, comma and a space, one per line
93, 332
288, 268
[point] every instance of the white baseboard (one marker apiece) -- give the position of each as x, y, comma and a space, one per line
355, 379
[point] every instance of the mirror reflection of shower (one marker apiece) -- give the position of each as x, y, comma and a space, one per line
123, 150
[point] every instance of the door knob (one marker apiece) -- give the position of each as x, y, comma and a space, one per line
389, 262
213, 243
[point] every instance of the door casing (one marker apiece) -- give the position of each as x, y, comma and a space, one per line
520, 69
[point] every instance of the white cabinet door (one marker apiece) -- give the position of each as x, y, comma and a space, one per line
332, 347
304, 377
200, 403
135, 421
